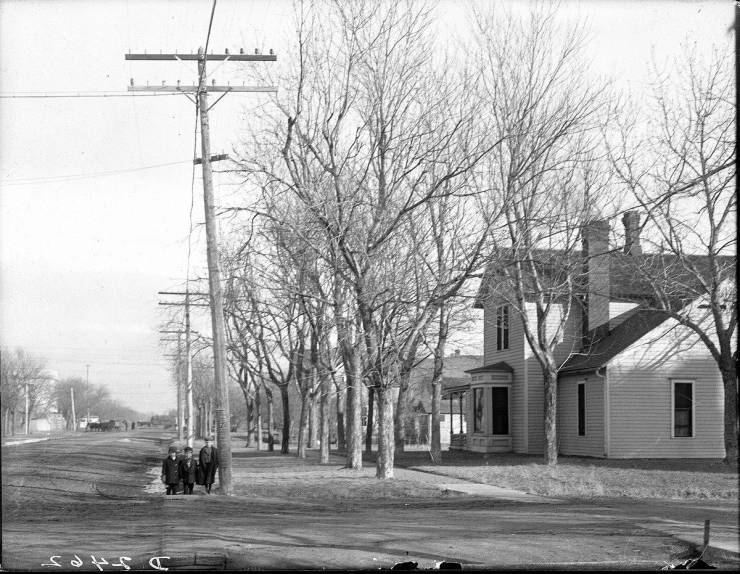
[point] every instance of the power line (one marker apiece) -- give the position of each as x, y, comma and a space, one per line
76, 176
42, 95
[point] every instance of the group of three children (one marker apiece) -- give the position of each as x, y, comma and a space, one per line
190, 471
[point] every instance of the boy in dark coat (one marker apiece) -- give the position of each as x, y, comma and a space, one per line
187, 470
208, 459
170, 471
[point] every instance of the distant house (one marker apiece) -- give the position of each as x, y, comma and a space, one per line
452, 409
632, 383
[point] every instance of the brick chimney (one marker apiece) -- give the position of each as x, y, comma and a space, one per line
631, 220
595, 237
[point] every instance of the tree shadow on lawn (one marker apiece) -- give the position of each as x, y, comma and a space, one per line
416, 458
410, 459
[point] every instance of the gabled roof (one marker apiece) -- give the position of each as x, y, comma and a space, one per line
639, 322
627, 272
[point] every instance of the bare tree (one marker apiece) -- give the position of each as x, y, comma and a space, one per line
545, 176
22, 375
677, 158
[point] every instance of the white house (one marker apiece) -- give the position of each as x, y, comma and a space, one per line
632, 382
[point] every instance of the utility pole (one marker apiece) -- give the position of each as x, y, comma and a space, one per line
180, 414
87, 396
26, 406
189, 415
223, 422
189, 374
74, 416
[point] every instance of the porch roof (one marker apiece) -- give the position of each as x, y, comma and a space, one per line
500, 366
452, 385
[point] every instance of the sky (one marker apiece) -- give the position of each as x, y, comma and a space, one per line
95, 192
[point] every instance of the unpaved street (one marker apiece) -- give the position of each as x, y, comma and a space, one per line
90, 495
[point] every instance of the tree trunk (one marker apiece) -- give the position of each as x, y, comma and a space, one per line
303, 425
341, 397
386, 446
551, 412
284, 449
436, 444
437, 375
313, 421
270, 420
325, 404
354, 416
399, 420
729, 379
249, 419
370, 419
258, 417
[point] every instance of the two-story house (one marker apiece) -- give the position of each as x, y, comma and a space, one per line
632, 382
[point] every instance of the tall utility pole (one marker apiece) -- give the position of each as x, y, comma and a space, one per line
223, 429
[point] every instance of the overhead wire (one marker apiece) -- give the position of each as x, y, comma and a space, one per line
76, 176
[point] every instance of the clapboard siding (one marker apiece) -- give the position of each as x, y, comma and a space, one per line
639, 383
514, 356
592, 444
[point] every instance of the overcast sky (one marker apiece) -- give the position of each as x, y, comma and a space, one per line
95, 192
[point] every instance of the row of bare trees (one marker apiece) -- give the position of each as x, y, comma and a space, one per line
390, 172
23, 377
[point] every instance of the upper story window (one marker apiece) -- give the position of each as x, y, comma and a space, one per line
502, 327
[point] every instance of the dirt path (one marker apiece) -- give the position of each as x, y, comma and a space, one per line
87, 496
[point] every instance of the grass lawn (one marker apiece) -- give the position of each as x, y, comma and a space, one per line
274, 475
586, 477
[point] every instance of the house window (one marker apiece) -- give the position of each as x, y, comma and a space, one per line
500, 410
581, 409
502, 327
683, 409
478, 418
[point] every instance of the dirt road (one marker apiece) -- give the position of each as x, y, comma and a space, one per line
86, 496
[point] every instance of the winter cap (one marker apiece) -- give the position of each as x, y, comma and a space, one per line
209, 438
172, 449
188, 449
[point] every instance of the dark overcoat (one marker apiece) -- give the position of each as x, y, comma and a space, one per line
187, 470
170, 471
208, 468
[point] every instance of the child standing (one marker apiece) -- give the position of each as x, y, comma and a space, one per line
187, 470
170, 471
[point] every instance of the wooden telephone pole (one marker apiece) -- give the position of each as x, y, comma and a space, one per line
223, 417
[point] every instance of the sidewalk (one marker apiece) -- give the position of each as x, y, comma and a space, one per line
13, 441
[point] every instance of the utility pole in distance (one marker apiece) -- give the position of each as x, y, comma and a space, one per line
74, 416
223, 422
189, 415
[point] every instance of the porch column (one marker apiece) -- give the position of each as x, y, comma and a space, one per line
452, 428
460, 398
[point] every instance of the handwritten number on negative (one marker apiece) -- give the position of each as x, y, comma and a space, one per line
121, 562
97, 563
76, 561
53, 562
